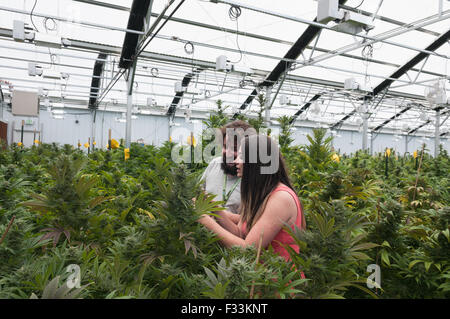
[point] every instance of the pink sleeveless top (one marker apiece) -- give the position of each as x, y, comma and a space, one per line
283, 237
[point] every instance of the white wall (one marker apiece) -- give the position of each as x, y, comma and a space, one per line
154, 130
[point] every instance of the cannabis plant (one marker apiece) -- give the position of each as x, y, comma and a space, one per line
67, 203
285, 138
173, 218
331, 251
217, 118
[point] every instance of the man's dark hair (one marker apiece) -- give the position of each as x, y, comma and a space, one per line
234, 125
237, 125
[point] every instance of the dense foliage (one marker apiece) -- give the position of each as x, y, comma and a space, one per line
131, 226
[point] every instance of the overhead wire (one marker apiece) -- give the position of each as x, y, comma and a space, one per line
234, 13
31, 15
55, 27
359, 4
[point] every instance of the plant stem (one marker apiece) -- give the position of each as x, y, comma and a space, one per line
7, 229
417, 178
418, 172
386, 165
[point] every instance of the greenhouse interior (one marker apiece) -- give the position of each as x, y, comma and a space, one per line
98, 98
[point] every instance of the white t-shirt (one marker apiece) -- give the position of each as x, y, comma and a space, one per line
213, 182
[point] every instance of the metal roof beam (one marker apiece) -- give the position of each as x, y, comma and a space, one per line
369, 39
392, 118
179, 95
283, 66
443, 38
97, 72
401, 71
136, 22
385, 19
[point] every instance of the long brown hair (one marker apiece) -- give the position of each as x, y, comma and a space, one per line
256, 185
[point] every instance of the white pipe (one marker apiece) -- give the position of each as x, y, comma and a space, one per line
84, 23
324, 26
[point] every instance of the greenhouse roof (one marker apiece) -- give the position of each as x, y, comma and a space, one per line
276, 47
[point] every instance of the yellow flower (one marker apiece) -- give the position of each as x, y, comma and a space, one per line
37, 142
20, 144
94, 143
388, 152
335, 158
415, 154
194, 143
114, 144
86, 145
126, 152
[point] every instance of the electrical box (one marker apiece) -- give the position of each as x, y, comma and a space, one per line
150, 101
350, 84
350, 22
354, 23
33, 69
179, 87
441, 97
284, 99
25, 103
222, 64
19, 33
19, 30
328, 10
353, 85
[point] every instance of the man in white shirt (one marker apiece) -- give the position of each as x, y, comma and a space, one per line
220, 177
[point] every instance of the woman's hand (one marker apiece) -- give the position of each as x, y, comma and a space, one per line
204, 220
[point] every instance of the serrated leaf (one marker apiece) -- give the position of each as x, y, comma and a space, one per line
446, 233
412, 263
386, 244
143, 211
385, 257
360, 255
211, 276
98, 200
364, 246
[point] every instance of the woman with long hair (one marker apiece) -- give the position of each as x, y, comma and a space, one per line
268, 200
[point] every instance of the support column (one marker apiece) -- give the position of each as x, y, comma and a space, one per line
437, 136
128, 122
170, 130
371, 143
94, 115
406, 143
365, 117
130, 82
267, 105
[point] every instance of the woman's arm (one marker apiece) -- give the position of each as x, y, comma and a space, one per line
229, 221
280, 208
